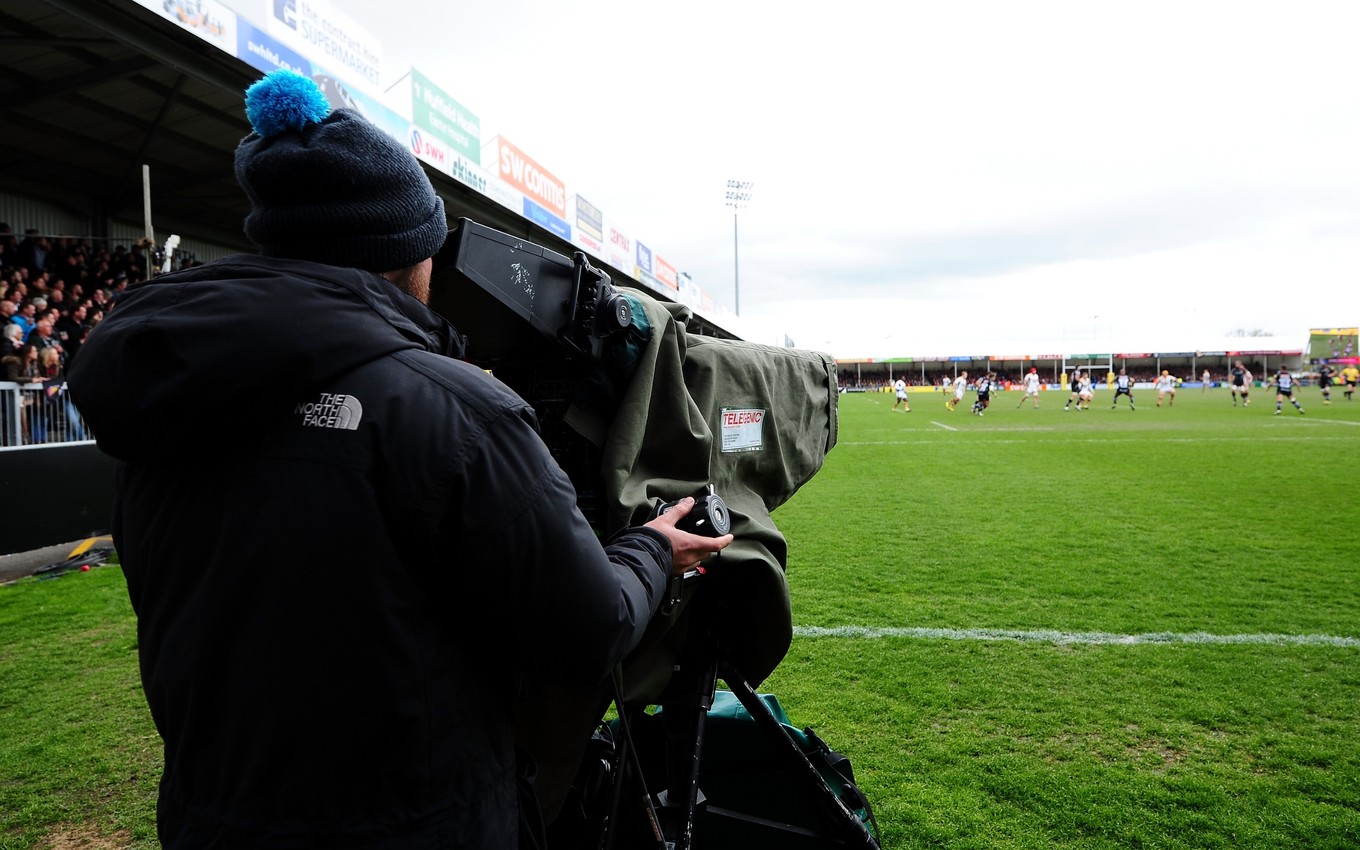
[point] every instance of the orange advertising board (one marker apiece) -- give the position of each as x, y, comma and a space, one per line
520, 171
665, 272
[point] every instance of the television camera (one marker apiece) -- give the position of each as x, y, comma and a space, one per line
557, 331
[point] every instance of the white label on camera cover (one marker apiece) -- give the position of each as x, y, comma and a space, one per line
741, 429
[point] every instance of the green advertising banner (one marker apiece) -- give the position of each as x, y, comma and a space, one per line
443, 117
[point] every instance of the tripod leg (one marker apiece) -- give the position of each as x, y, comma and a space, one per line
847, 825
629, 769
688, 698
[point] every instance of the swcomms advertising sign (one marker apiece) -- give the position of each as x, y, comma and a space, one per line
536, 182
327, 35
439, 115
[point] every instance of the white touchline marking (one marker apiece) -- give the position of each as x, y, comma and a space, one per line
1060, 637
942, 425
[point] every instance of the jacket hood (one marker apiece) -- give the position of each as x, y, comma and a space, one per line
214, 352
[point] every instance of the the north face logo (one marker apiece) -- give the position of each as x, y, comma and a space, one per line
331, 410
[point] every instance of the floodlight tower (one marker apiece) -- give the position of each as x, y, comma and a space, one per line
738, 196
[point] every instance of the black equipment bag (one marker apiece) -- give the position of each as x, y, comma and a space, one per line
744, 772
762, 782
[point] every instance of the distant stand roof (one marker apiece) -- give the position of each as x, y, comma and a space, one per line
1244, 346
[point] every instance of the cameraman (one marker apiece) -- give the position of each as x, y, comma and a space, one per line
344, 546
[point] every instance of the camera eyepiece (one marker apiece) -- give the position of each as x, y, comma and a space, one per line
615, 314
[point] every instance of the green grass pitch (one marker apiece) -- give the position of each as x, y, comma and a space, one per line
1110, 628
1033, 629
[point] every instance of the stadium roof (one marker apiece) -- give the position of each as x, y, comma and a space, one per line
92, 90
1081, 349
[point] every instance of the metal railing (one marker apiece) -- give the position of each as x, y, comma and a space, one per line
39, 415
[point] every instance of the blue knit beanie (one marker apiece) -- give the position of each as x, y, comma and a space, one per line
331, 187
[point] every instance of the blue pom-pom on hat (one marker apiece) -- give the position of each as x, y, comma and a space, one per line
330, 186
285, 100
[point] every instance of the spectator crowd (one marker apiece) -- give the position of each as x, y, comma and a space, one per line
55, 291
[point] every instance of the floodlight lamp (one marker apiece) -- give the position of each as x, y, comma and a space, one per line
738, 193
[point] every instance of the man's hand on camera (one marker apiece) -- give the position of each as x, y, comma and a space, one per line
687, 550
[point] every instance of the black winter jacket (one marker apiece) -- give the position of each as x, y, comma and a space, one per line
343, 547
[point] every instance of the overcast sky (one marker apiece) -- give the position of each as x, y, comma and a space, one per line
944, 177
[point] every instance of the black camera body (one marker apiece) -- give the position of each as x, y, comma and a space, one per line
541, 323
571, 304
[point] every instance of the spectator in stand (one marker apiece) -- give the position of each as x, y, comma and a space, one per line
43, 337
49, 372
119, 261
7, 311
13, 340
33, 251
70, 331
16, 365
26, 318
137, 260
70, 270
120, 285
30, 370
60, 421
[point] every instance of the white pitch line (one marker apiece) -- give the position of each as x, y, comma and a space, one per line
1059, 637
942, 425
